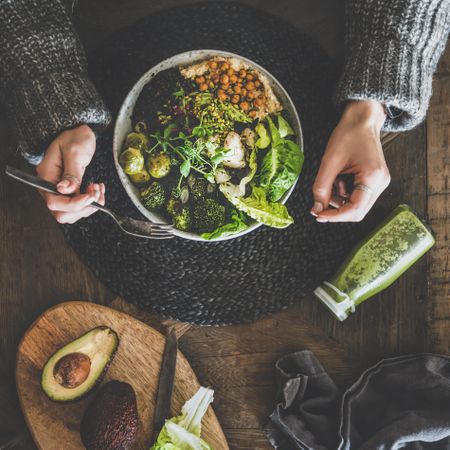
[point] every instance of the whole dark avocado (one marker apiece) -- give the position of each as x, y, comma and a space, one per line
111, 420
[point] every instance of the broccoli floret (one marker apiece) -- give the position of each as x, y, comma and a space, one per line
208, 215
199, 189
178, 197
173, 205
180, 213
182, 219
154, 196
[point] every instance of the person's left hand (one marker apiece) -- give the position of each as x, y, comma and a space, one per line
354, 148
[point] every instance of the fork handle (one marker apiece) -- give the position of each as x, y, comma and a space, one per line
43, 185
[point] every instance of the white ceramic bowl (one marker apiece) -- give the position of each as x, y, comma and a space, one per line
123, 126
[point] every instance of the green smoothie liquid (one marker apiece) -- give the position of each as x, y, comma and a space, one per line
393, 247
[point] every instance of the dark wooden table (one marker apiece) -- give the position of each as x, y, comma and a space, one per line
38, 269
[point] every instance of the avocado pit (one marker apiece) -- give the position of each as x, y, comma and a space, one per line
72, 370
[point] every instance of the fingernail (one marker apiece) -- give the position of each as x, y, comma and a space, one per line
321, 220
64, 184
317, 209
95, 195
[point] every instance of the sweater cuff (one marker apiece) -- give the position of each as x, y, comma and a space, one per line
45, 107
391, 72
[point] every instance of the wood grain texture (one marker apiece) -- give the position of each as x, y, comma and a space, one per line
438, 166
137, 362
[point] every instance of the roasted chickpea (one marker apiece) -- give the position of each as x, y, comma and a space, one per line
220, 92
224, 65
203, 87
244, 92
249, 77
225, 86
230, 91
200, 80
213, 64
239, 80
237, 89
250, 86
242, 73
222, 97
258, 102
251, 95
252, 114
225, 79
257, 83
244, 106
230, 71
233, 78
235, 99
216, 78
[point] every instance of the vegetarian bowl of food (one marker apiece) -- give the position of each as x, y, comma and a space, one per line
211, 142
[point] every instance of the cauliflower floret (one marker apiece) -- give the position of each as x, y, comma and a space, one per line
222, 176
249, 137
235, 157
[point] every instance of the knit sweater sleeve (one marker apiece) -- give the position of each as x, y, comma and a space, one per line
43, 81
392, 49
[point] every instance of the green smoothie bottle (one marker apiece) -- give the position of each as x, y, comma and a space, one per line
394, 246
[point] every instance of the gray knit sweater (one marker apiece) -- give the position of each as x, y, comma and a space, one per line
393, 47
43, 78
392, 50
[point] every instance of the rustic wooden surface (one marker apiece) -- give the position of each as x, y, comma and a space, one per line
38, 269
137, 361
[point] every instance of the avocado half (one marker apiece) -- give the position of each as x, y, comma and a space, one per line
75, 369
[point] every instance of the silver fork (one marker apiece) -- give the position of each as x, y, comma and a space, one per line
139, 228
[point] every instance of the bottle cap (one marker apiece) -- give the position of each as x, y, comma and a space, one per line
339, 309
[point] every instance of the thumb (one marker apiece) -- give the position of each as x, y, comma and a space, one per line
73, 171
323, 185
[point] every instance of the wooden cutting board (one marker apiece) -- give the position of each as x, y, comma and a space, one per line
55, 426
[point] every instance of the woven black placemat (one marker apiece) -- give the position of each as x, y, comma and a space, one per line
242, 279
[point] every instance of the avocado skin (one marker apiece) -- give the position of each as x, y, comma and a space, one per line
93, 387
111, 420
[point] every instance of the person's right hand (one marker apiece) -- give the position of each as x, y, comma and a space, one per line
64, 164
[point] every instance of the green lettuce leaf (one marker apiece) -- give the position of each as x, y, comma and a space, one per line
183, 440
236, 225
280, 168
284, 128
274, 133
183, 432
264, 138
259, 208
253, 165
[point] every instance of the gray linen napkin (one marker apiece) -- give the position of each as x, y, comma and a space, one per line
400, 403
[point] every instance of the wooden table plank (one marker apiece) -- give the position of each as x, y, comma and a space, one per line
247, 439
438, 159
